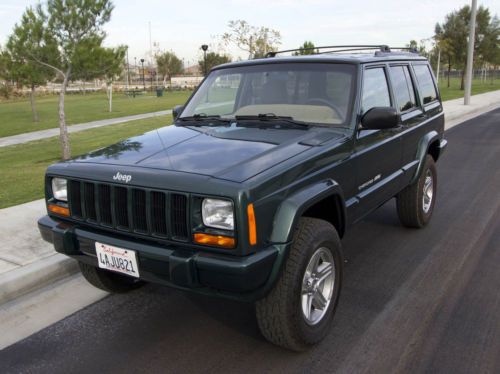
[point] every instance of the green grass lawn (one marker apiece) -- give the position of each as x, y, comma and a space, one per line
23, 166
16, 118
454, 92
15, 115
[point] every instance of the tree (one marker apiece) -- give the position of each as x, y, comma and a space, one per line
3, 63
4, 88
443, 45
24, 71
106, 63
420, 48
168, 65
76, 28
308, 48
453, 33
92, 61
489, 50
257, 41
213, 59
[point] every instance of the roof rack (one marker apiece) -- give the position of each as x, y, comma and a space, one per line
379, 49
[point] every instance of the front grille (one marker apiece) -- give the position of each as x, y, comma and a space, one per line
178, 216
89, 206
161, 214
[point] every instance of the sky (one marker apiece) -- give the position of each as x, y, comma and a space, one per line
183, 26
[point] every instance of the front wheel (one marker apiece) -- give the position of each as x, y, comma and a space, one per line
298, 311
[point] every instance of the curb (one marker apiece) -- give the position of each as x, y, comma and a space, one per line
21, 281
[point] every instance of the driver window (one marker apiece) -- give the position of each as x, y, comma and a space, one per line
375, 90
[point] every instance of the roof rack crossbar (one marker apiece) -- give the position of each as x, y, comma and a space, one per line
352, 49
382, 48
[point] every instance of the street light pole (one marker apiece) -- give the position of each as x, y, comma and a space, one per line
205, 47
143, 79
470, 53
438, 65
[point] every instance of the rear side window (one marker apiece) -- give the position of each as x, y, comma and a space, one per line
375, 90
426, 86
403, 88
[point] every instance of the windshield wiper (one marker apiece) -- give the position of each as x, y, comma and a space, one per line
263, 117
203, 118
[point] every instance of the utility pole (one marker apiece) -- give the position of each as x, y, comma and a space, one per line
470, 53
150, 45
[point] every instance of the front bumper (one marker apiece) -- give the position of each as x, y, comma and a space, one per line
243, 278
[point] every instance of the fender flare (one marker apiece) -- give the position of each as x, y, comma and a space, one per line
290, 210
423, 150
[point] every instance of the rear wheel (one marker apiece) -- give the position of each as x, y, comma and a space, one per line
416, 202
299, 310
107, 280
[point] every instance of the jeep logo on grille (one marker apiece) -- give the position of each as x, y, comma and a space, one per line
122, 177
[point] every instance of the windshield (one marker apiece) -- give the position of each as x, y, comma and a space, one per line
315, 93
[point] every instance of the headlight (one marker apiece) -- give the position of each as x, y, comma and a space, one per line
218, 214
59, 189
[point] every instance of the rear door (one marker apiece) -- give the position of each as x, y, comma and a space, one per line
430, 115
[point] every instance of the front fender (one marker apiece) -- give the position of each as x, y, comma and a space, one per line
290, 210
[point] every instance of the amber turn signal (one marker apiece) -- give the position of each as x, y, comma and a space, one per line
57, 209
215, 240
252, 226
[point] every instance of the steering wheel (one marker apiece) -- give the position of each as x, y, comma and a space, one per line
318, 100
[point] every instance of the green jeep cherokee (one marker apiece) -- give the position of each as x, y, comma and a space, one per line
249, 192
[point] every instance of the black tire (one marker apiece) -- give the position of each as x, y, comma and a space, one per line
107, 280
279, 315
410, 201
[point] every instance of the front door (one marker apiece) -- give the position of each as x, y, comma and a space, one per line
377, 152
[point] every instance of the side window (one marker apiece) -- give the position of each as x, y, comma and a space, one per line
426, 86
375, 89
403, 88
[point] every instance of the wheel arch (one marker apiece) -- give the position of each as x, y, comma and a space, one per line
430, 143
323, 200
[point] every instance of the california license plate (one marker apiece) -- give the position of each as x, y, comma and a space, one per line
117, 259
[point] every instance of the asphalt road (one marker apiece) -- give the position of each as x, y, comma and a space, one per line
413, 300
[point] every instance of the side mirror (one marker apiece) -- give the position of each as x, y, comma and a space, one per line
177, 111
379, 118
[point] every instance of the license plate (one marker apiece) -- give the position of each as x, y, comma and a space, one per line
117, 259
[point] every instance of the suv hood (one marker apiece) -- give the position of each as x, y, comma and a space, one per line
225, 152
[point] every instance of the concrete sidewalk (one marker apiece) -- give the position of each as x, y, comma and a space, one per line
27, 262
456, 112
49, 133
